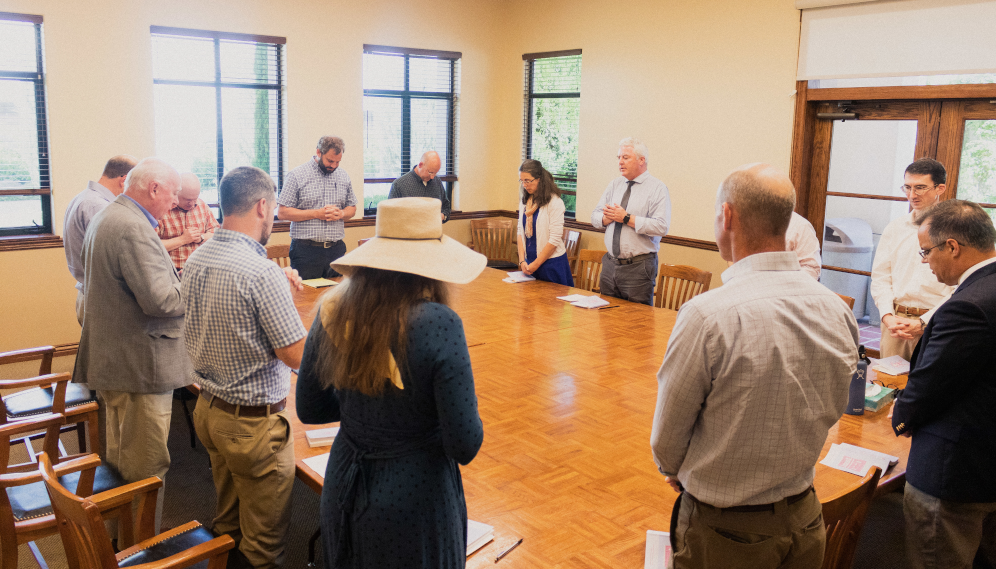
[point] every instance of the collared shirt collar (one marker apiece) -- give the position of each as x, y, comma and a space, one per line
238, 236
101, 190
968, 272
148, 215
641, 178
773, 261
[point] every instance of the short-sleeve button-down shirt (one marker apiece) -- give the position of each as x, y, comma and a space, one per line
650, 205
177, 220
307, 187
238, 310
79, 212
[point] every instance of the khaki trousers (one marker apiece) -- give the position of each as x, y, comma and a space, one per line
947, 535
137, 429
252, 461
890, 346
79, 306
791, 536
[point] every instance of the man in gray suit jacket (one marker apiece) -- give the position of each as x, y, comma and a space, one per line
132, 350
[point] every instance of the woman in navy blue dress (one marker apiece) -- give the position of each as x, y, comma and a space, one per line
388, 359
541, 226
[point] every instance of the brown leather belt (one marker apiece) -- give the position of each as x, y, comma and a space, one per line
910, 311
630, 260
769, 507
244, 410
322, 244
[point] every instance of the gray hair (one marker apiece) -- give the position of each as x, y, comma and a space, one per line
638, 147
964, 221
148, 171
242, 188
764, 211
327, 143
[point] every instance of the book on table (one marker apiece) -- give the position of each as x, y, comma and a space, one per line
857, 460
318, 283
321, 437
658, 552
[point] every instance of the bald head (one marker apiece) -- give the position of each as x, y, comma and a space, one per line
428, 166
190, 190
154, 184
762, 196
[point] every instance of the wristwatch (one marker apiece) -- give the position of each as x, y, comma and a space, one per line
626, 219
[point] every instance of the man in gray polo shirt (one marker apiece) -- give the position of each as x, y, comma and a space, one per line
317, 198
635, 212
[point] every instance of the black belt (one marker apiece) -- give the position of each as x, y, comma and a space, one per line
630, 260
322, 244
244, 410
768, 507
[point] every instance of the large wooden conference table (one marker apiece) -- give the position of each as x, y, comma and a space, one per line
567, 397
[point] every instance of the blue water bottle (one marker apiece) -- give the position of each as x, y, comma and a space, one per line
856, 394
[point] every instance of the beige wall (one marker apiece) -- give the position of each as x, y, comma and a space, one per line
706, 84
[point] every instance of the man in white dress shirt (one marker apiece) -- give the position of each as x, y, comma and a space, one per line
905, 291
755, 375
801, 238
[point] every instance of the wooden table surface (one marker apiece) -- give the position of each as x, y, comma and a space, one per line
567, 397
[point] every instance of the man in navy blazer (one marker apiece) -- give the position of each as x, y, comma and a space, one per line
949, 404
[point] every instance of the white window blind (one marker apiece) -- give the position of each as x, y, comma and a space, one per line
897, 38
219, 103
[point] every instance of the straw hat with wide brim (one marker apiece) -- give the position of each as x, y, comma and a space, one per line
410, 240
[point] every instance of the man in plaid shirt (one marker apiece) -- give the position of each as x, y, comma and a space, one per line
317, 198
187, 225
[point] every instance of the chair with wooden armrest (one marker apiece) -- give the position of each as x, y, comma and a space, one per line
847, 300
279, 254
589, 269
25, 511
494, 237
88, 545
844, 515
677, 284
572, 242
362, 241
51, 393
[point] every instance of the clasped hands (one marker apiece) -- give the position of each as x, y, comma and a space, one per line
904, 328
330, 213
613, 212
530, 267
293, 278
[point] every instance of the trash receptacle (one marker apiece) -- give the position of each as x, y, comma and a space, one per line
847, 243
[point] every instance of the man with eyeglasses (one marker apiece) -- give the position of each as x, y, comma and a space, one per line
904, 290
947, 406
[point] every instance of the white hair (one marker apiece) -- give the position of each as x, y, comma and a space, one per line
638, 147
148, 171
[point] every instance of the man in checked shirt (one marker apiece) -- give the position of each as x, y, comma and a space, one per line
244, 335
317, 198
187, 225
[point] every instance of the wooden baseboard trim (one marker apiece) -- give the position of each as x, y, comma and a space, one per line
26, 242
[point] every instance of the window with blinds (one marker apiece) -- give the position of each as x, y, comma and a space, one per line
410, 100
552, 118
219, 103
25, 190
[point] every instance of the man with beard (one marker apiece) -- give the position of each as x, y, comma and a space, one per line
316, 198
244, 335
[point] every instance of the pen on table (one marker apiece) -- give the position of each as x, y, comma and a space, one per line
608, 307
507, 551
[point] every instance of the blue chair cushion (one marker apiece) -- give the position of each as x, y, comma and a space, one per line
39, 400
31, 500
172, 546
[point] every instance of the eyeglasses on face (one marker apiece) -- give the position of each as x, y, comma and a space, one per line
917, 190
525, 181
925, 252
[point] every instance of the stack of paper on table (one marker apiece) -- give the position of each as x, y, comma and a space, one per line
518, 277
658, 553
319, 283
892, 365
857, 460
478, 535
321, 437
318, 463
582, 301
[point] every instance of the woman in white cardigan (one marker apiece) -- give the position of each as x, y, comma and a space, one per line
541, 226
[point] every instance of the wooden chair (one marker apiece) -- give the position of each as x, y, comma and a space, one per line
589, 269
844, 515
88, 545
494, 238
572, 241
362, 241
280, 254
25, 511
847, 300
49, 393
677, 284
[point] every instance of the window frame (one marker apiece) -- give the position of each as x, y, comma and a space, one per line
37, 77
529, 96
218, 85
406, 96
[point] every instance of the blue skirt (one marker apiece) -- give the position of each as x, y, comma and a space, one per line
555, 270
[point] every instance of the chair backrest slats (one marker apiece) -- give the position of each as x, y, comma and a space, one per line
495, 238
589, 269
280, 254
677, 284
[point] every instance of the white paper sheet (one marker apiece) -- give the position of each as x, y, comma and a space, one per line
572, 297
658, 553
518, 277
857, 460
591, 302
892, 365
318, 463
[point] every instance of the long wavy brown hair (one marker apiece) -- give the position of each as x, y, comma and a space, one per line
365, 318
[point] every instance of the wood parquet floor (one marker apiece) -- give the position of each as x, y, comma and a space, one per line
567, 397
